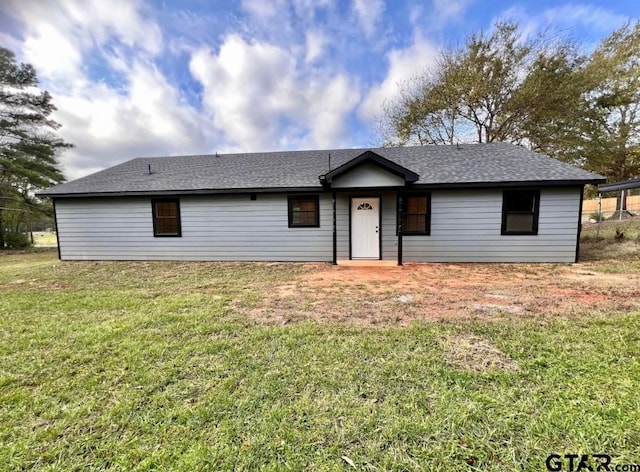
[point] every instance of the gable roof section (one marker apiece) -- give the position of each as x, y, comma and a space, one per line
370, 156
469, 165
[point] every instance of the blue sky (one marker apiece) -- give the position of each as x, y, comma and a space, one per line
139, 78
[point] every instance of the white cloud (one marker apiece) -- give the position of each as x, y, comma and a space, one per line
307, 9
587, 15
281, 12
445, 10
438, 15
54, 53
109, 126
61, 36
403, 64
142, 114
329, 108
368, 13
91, 22
246, 86
123, 19
101, 62
264, 9
315, 44
565, 16
415, 13
260, 99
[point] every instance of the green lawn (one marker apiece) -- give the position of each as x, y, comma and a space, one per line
140, 366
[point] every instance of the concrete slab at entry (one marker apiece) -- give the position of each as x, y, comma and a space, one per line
367, 263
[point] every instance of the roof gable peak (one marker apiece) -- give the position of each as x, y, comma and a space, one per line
370, 156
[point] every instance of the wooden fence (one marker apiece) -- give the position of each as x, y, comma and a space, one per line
609, 205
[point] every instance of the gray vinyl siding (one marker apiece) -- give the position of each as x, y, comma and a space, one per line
219, 228
342, 226
389, 220
465, 227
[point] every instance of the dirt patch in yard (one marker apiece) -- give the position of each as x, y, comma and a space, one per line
469, 352
398, 295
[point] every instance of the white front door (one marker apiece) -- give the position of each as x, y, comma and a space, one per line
365, 227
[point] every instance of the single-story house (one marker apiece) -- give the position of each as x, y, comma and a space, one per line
492, 202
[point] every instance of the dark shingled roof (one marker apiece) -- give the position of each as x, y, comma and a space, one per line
464, 165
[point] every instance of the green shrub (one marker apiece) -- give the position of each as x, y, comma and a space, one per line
596, 216
16, 240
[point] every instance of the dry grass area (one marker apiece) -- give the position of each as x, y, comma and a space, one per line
470, 352
371, 296
606, 229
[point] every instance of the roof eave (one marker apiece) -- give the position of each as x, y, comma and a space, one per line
145, 193
311, 189
509, 183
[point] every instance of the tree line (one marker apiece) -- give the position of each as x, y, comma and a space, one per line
542, 92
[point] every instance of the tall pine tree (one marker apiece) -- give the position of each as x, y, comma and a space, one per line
28, 143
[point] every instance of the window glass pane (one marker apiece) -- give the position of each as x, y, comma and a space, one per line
311, 218
166, 209
417, 205
520, 201
166, 218
304, 217
520, 211
411, 205
415, 215
307, 206
415, 223
303, 212
167, 226
520, 222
